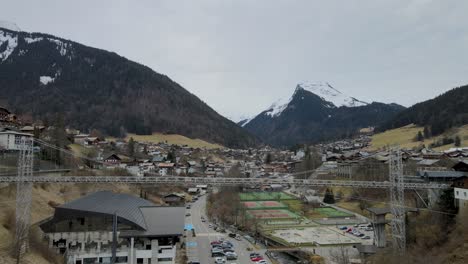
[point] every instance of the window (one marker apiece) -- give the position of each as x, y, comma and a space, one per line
164, 259
148, 247
105, 260
464, 193
121, 260
81, 220
457, 192
90, 260
139, 261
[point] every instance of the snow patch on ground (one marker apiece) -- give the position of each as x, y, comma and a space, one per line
46, 79
277, 107
325, 91
12, 43
32, 40
61, 46
246, 121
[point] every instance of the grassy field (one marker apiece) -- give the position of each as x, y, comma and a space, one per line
332, 212
175, 140
265, 196
404, 136
294, 205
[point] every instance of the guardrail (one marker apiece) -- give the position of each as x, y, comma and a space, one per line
218, 181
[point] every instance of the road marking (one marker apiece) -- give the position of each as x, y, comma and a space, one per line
208, 234
192, 244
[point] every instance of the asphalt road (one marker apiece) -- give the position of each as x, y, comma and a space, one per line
204, 235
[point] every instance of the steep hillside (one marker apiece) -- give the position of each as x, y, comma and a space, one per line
439, 114
42, 75
316, 112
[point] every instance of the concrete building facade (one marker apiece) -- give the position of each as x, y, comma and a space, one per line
146, 234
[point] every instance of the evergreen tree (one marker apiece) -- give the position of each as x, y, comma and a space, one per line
329, 198
457, 141
427, 132
171, 157
131, 147
268, 158
419, 136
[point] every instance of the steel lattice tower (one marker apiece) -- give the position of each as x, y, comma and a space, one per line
23, 196
397, 200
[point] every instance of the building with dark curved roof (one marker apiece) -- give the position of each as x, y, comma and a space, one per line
146, 233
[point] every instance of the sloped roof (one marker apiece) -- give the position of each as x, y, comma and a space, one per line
428, 162
160, 221
441, 174
105, 202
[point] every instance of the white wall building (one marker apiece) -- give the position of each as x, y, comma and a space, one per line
11, 140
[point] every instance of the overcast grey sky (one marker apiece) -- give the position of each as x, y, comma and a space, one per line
241, 55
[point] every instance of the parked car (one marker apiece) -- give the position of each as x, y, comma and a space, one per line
254, 254
231, 255
366, 237
226, 250
344, 228
216, 242
233, 235
217, 253
227, 245
187, 214
219, 260
255, 259
261, 262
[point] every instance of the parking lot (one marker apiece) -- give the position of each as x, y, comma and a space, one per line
323, 236
200, 247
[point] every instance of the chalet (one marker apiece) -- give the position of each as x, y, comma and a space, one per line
92, 141
113, 160
4, 113
202, 187
146, 167
80, 138
462, 165
6, 116
157, 159
461, 193
174, 198
193, 190
165, 168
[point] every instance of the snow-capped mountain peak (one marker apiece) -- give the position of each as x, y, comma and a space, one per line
9, 25
325, 91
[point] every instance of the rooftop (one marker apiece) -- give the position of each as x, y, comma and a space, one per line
125, 206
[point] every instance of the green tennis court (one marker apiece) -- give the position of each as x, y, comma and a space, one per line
271, 214
259, 205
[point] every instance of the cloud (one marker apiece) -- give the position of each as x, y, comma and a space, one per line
240, 56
